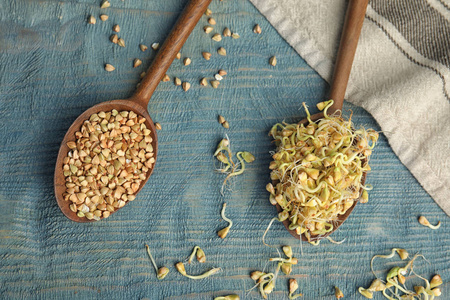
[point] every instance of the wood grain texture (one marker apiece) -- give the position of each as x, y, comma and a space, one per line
51, 70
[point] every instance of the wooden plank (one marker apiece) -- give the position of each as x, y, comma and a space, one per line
51, 69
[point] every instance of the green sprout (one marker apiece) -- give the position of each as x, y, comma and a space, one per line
424, 221
223, 232
225, 156
394, 288
181, 269
199, 253
161, 272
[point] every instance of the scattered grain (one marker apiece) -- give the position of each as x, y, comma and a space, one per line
206, 55
105, 4
114, 38
92, 20
109, 68
137, 62
338, 293
257, 29
215, 83
208, 29
186, 86
217, 37
155, 46
226, 32
143, 47
273, 61
222, 51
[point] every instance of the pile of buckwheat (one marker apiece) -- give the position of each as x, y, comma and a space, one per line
107, 163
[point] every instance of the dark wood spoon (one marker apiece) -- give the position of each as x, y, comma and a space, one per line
354, 19
138, 102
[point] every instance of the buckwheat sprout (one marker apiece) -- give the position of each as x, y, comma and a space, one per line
228, 166
291, 260
181, 269
265, 282
293, 286
201, 257
389, 297
256, 275
199, 253
308, 115
286, 268
401, 252
191, 257
288, 251
366, 293
424, 221
396, 279
376, 286
151, 257
223, 146
267, 229
223, 232
335, 242
325, 106
436, 281
161, 272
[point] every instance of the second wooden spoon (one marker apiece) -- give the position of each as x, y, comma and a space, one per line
354, 19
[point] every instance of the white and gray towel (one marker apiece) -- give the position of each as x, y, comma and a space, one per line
401, 72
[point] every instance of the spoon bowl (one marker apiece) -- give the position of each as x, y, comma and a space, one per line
120, 105
341, 218
137, 103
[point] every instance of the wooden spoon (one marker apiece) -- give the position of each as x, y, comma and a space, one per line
354, 19
138, 102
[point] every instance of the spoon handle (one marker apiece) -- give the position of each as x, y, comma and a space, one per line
172, 45
354, 19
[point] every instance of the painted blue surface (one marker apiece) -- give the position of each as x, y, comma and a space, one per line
51, 69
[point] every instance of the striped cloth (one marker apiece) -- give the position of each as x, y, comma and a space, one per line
401, 73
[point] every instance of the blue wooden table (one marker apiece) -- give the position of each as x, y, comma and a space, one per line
51, 70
